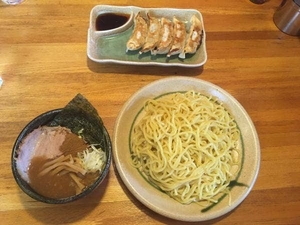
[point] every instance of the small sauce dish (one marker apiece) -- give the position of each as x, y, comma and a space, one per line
109, 20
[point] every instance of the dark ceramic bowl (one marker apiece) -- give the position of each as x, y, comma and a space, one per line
35, 123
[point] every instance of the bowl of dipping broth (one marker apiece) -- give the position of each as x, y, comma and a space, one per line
63, 154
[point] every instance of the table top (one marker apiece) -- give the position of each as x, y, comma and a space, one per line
44, 64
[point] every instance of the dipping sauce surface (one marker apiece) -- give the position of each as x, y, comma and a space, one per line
57, 163
108, 21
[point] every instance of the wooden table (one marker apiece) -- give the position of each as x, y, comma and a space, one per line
43, 65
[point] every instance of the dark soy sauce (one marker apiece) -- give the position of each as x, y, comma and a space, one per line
108, 21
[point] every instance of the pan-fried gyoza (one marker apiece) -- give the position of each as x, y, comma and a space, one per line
194, 37
153, 36
160, 35
138, 37
178, 37
166, 36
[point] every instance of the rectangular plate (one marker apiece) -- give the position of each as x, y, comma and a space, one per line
112, 48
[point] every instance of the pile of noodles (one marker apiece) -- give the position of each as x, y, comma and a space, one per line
186, 145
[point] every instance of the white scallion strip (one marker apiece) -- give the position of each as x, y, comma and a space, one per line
92, 159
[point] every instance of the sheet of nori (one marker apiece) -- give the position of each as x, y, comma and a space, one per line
79, 114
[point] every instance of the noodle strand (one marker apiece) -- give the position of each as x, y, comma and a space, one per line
186, 145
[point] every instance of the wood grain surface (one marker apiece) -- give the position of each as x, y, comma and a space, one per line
44, 64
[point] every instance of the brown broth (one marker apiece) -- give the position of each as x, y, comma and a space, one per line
72, 145
52, 186
59, 186
108, 21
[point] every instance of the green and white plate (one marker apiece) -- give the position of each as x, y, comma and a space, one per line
161, 202
110, 47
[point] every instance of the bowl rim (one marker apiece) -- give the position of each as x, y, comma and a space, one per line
24, 185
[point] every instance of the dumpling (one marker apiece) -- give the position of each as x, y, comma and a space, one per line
194, 37
166, 37
152, 38
138, 37
179, 37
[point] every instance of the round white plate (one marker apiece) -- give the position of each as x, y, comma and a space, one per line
160, 202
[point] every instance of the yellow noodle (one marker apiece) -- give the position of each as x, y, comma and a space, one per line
58, 159
184, 144
57, 165
80, 186
63, 169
